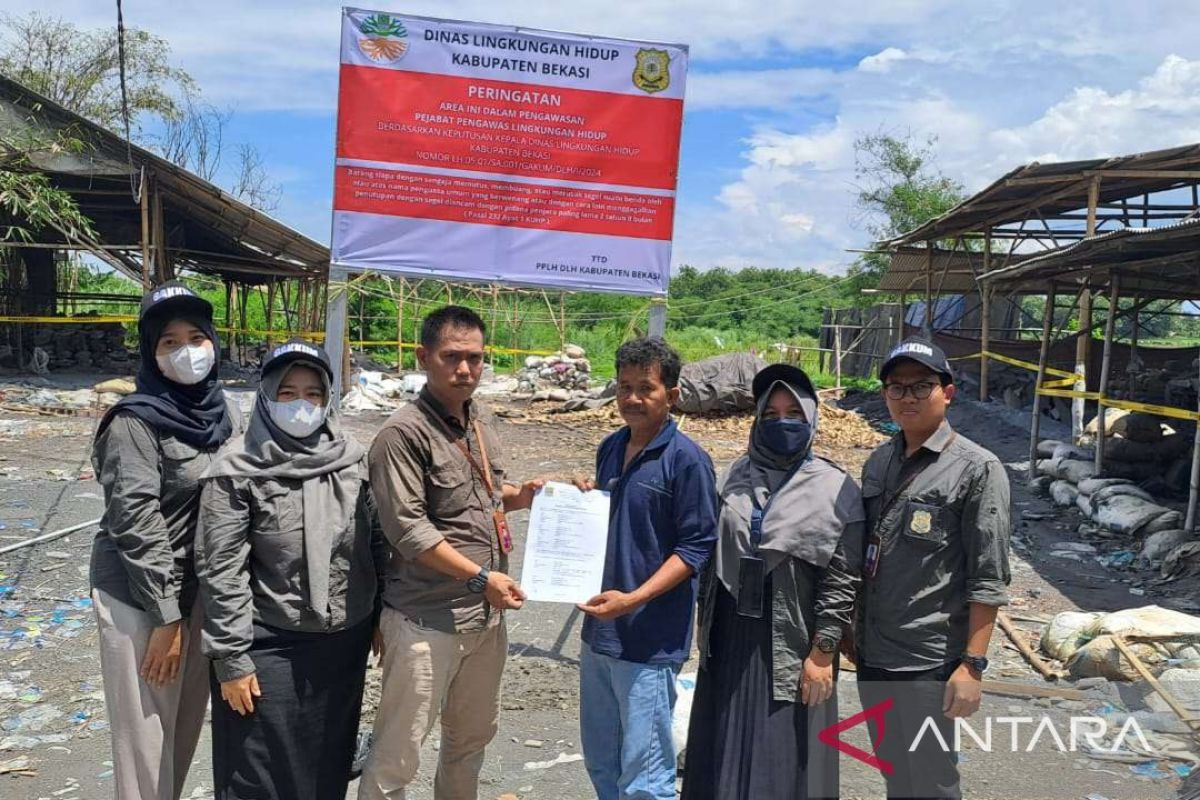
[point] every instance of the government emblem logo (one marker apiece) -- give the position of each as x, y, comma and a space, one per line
922, 522
652, 73
384, 38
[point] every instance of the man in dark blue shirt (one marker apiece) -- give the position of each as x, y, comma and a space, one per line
661, 532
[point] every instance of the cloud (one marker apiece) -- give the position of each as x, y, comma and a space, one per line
883, 60
756, 89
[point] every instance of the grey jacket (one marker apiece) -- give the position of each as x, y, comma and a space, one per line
944, 546
805, 601
142, 555
251, 563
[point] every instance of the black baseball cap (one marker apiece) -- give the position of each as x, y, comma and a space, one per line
793, 376
922, 351
173, 299
298, 350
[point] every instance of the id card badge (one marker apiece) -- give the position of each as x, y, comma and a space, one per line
752, 573
751, 577
871, 558
503, 534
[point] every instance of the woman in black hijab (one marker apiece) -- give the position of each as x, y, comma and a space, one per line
774, 602
149, 453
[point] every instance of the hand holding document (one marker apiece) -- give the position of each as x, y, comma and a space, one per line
564, 552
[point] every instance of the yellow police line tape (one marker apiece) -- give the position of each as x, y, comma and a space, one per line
504, 351
1055, 389
314, 335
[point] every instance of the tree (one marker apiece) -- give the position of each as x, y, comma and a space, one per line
252, 183
29, 203
900, 189
194, 138
80, 69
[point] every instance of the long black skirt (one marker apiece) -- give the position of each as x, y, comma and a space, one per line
742, 743
299, 742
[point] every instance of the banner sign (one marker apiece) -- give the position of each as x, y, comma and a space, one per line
506, 155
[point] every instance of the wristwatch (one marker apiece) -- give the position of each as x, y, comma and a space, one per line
478, 583
977, 663
825, 643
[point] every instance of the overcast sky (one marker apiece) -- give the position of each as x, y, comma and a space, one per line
777, 93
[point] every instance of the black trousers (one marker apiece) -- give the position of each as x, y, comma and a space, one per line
299, 742
929, 771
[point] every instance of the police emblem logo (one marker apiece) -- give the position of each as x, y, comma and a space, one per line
922, 522
652, 73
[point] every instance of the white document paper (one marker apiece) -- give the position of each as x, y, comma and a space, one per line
564, 551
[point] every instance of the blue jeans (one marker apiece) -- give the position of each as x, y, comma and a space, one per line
625, 727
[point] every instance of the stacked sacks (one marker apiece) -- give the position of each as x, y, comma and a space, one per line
1115, 504
555, 376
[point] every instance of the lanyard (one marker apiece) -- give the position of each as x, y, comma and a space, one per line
484, 472
757, 514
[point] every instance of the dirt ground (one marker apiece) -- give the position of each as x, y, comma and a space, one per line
54, 737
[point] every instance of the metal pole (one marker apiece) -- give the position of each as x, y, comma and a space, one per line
658, 317
1110, 324
1043, 354
335, 327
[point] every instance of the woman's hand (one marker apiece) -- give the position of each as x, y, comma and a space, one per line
378, 646
816, 680
160, 665
240, 693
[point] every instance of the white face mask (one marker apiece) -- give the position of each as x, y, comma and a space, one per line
188, 365
297, 418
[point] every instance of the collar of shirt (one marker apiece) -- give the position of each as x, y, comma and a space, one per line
936, 443
659, 441
435, 406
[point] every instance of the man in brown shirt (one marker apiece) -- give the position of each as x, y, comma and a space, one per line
437, 474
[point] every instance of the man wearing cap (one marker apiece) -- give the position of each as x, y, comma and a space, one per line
935, 571
437, 474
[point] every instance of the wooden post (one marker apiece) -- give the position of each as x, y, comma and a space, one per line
229, 340
1110, 324
837, 354
146, 260
929, 289
400, 324
903, 315
1135, 330
271, 313
1043, 354
1083, 343
985, 327
1194, 483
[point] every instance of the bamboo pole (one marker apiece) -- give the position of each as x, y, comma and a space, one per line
146, 261
929, 289
985, 333
1034, 660
1194, 482
1043, 354
271, 313
903, 314
1114, 298
1149, 678
229, 334
1083, 344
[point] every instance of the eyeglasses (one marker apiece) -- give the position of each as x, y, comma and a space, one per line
920, 391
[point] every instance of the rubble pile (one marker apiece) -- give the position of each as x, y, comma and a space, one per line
99, 347
556, 376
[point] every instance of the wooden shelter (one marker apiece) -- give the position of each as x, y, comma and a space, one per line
152, 219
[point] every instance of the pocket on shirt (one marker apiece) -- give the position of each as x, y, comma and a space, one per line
450, 486
924, 524
279, 508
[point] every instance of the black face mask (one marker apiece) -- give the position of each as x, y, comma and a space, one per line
785, 437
